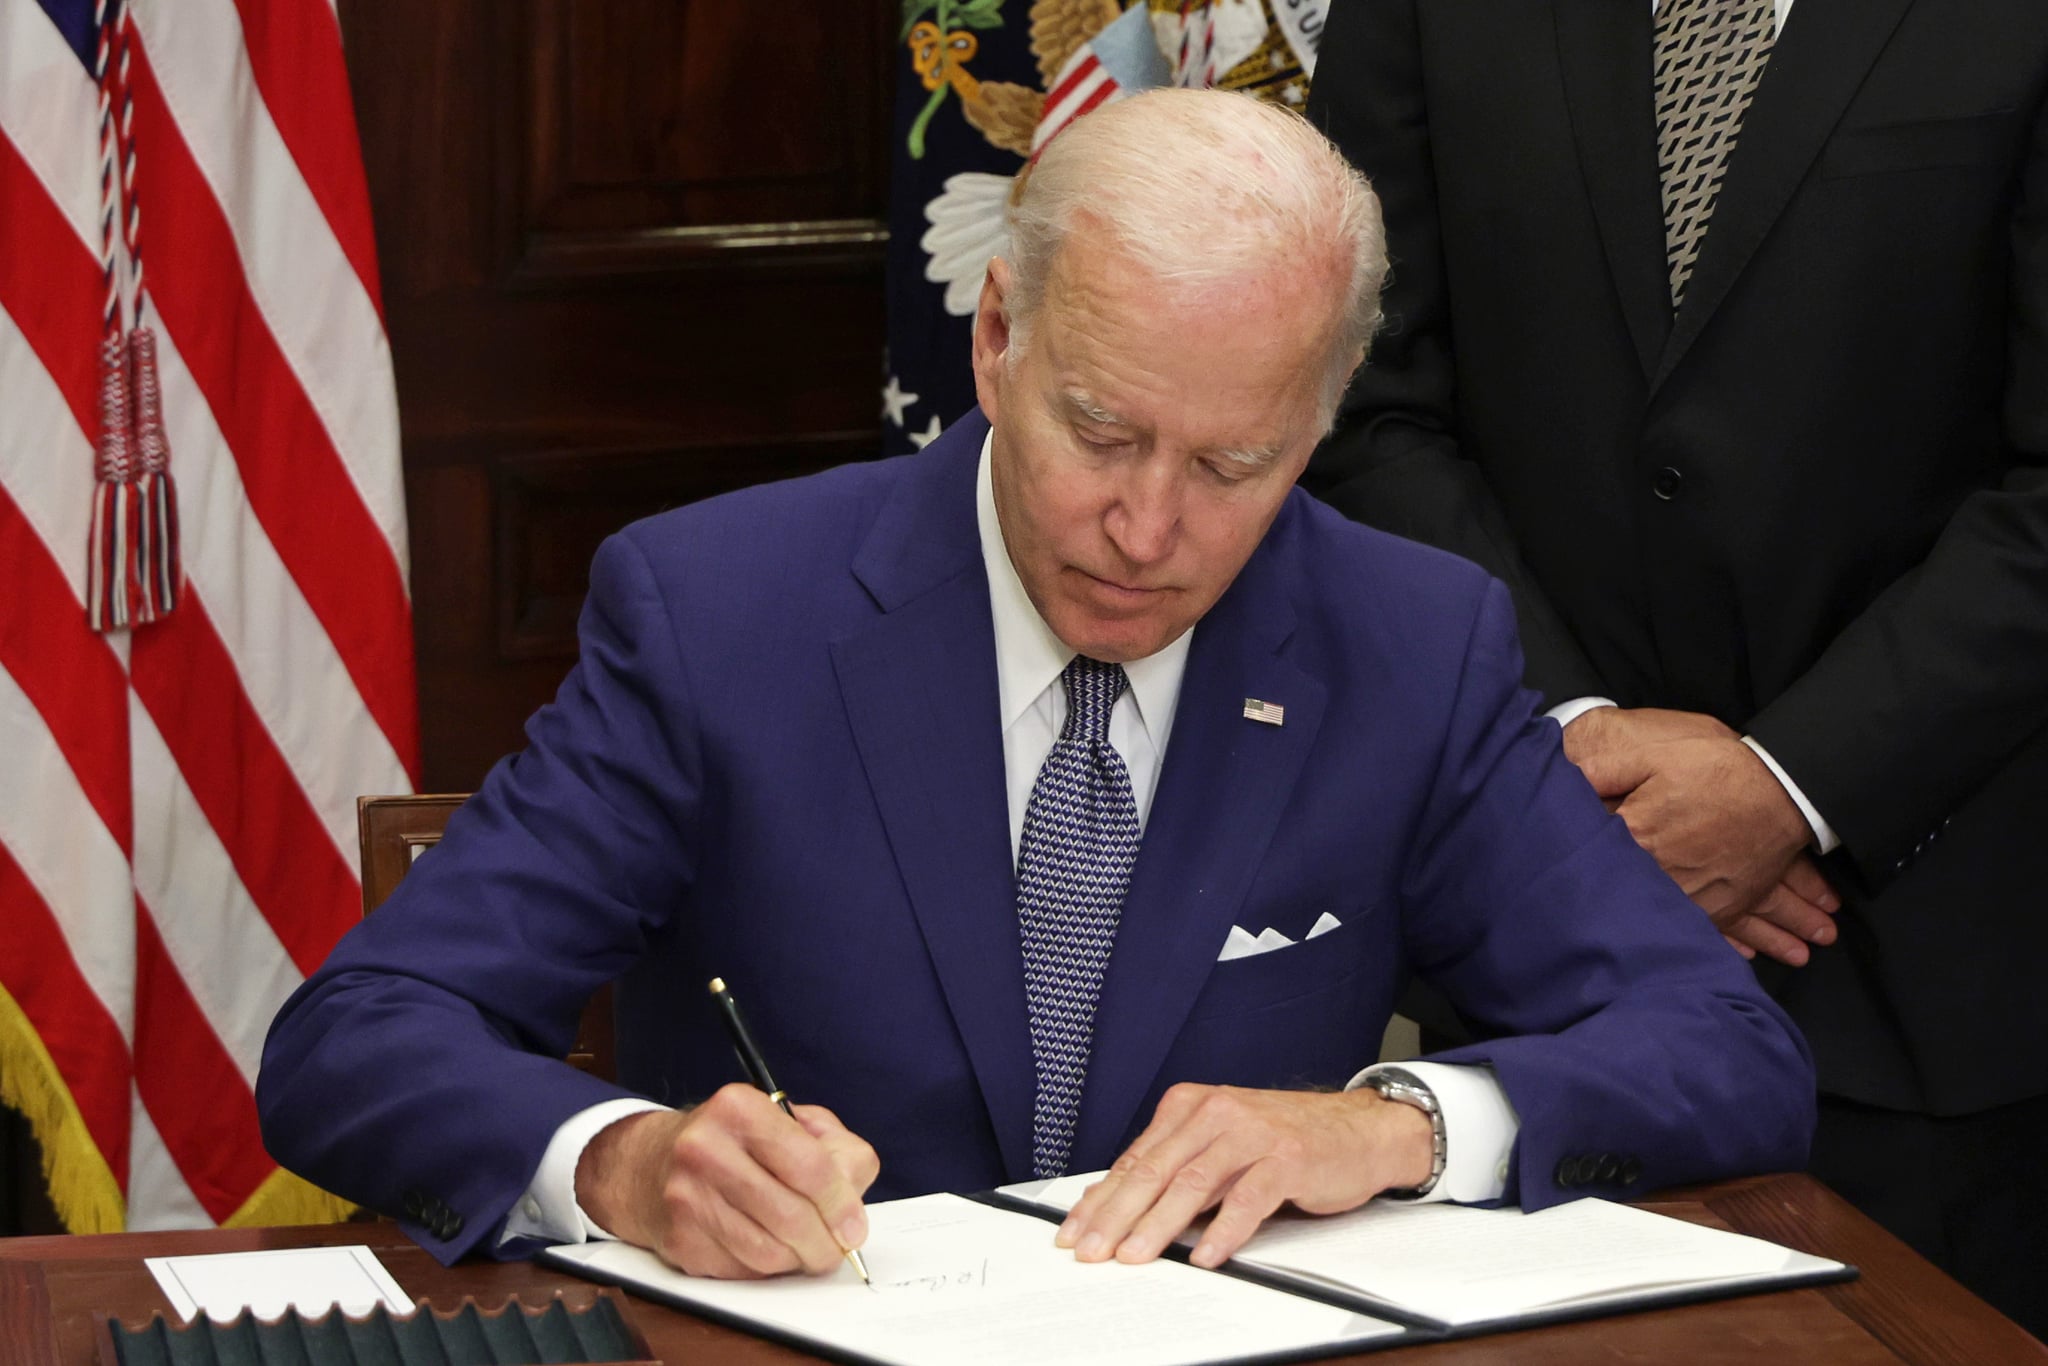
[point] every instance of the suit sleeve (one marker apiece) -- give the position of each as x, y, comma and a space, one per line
1929, 691
1637, 1048
418, 1070
1393, 460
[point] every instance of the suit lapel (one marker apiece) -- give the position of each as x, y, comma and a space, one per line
1220, 795
920, 683
1815, 68
1603, 51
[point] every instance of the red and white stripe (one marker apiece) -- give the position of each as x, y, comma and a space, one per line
177, 845
1083, 84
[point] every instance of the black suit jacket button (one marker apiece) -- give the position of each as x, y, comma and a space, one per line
414, 1205
1609, 1168
1668, 483
1631, 1171
1567, 1172
450, 1225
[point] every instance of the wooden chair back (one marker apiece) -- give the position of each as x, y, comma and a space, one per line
393, 831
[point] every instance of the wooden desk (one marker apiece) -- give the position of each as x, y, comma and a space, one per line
1902, 1310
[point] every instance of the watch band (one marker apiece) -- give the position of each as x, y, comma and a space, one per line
1399, 1084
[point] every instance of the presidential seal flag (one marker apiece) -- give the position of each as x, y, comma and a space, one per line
986, 84
205, 638
1120, 59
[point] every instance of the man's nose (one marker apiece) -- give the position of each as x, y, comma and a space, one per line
1144, 521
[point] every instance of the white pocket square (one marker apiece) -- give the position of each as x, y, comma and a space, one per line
1243, 944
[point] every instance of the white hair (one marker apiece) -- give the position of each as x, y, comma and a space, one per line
1200, 186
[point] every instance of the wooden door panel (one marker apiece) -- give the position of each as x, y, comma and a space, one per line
632, 256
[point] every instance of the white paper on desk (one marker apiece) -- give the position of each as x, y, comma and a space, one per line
311, 1280
1464, 1266
957, 1281
1056, 1192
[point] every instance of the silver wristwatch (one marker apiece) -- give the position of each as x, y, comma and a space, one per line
1399, 1084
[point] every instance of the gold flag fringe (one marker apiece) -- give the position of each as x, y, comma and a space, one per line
82, 1186
287, 1199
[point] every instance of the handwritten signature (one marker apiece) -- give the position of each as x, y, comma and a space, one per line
974, 1278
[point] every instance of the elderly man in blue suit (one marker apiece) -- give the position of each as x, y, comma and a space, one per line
1071, 794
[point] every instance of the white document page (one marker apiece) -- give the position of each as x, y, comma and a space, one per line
309, 1279
959, 1281
1464, 1266
1059, 1192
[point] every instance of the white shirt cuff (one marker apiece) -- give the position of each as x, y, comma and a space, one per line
548, 1210
1480, 1126
1824, 837
1564, 713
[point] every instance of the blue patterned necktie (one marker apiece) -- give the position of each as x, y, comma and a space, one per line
1073, 868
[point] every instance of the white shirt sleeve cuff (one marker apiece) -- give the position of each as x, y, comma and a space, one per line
1824, 837
1564, 713
548, 1210
1480, 1126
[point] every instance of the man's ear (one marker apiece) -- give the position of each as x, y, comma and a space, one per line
992, 336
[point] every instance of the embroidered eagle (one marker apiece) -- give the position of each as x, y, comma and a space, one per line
1251, 45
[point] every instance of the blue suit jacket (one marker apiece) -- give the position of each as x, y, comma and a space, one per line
779, 761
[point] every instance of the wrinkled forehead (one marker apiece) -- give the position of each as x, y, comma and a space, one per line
1235, 364
1276, 307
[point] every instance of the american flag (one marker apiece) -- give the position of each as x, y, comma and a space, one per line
177, 845
1272, 713
1121, 60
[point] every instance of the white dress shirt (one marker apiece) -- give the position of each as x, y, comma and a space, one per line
1033, 705
1479, 1123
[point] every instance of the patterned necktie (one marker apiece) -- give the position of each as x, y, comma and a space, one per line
1073, 868
1709, 56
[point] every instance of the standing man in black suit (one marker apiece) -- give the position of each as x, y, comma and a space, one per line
1718, 329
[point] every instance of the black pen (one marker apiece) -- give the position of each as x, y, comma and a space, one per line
757, 1072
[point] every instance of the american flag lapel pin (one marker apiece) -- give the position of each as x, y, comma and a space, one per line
1272, 713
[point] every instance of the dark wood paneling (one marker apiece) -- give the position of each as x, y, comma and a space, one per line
632, 256
656, 114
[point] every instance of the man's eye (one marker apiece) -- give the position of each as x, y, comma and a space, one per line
1104, 440
1228, 471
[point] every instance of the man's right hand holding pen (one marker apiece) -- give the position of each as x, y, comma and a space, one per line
731, 1188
